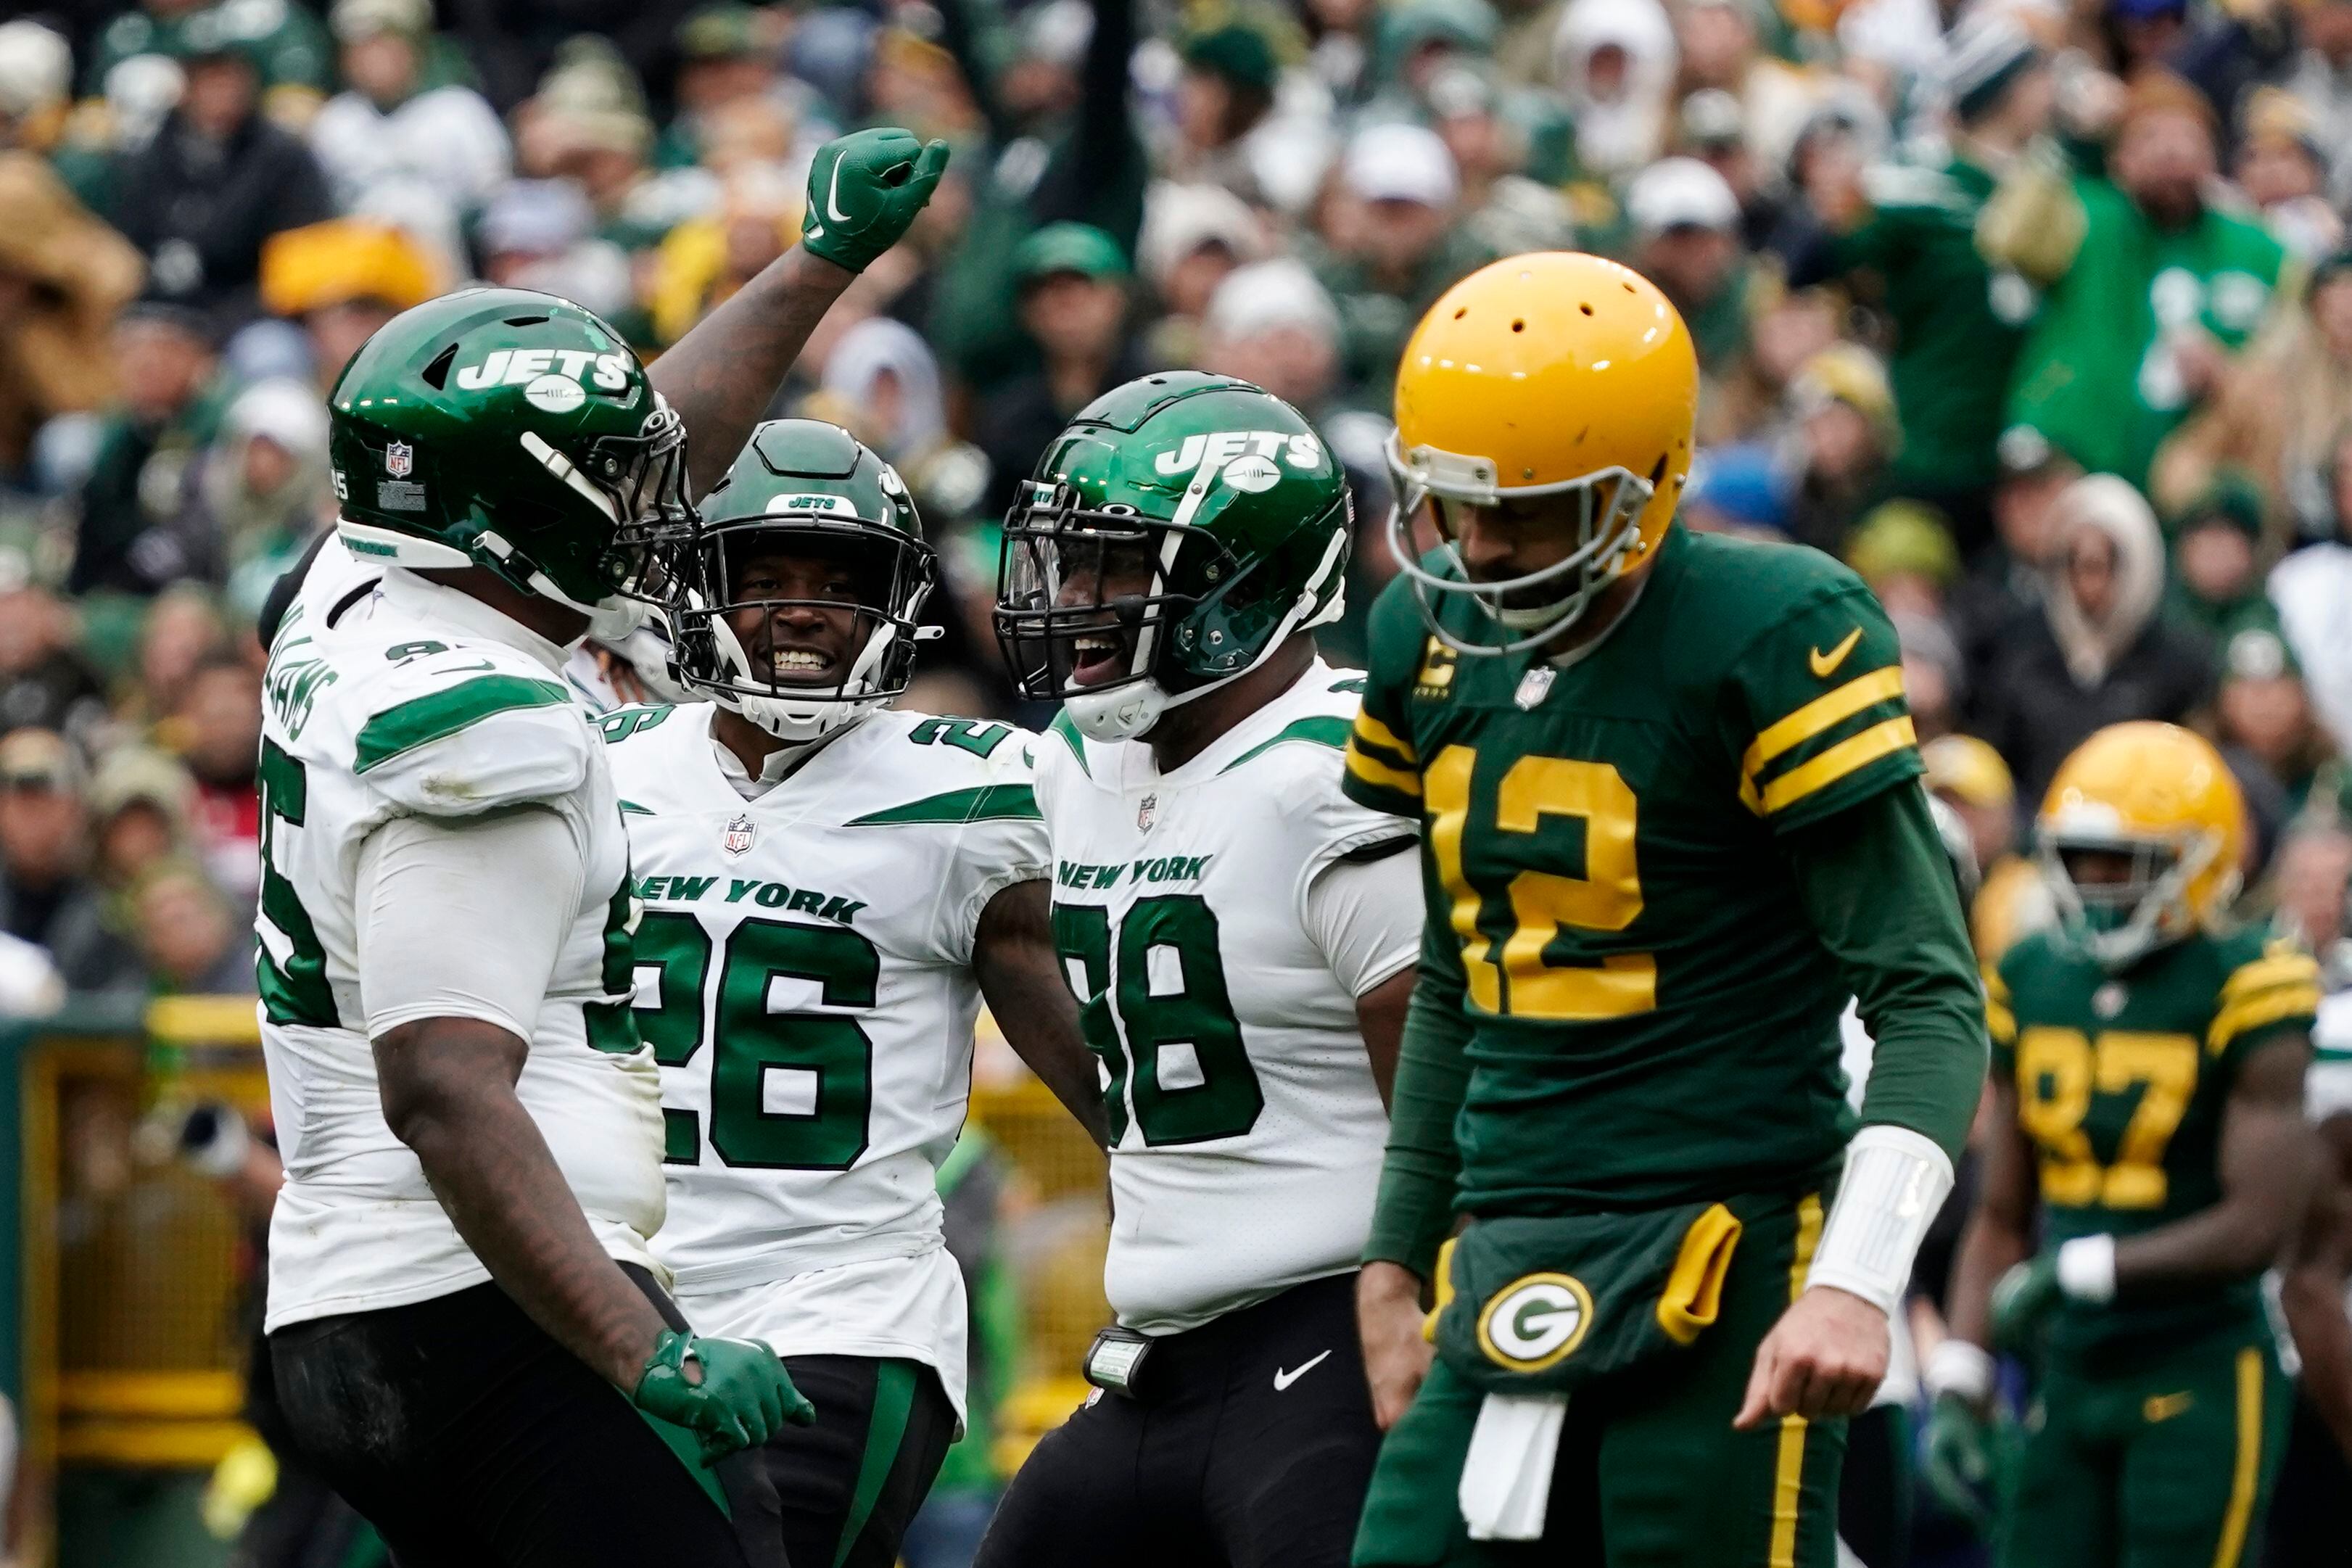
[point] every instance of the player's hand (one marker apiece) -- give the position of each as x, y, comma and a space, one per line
1826, 1356
734, 1392
1957, 1463
1396, 1353
864, 192
2022, 1298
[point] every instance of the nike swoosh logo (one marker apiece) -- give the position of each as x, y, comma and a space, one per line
1825, 664
832, 197
1283, 1380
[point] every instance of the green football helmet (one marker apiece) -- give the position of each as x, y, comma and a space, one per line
515, 431
1175, 535
809, 492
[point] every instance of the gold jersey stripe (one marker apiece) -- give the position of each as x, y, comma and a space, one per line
1372, 771
2245, 1476
1789, 1469
1372, 732
2271, 969
2253, 1012
1820, 715
1856, 752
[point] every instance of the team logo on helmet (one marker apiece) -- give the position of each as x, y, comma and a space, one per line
1534, 1321
399, 459
737, 839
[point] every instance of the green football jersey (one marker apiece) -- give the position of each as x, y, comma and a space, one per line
1653, 1017
2122, 1080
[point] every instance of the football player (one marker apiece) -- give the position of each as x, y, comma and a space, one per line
2148, 1102
1241, 939
1666, 783
459, 1275
828, 891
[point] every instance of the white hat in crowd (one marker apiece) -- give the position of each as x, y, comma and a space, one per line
1681, 193
1399, 163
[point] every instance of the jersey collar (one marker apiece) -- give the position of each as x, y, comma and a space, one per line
405, 590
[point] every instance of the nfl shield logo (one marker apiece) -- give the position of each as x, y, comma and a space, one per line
737, 839
1145, 811
1533, 685
399, 459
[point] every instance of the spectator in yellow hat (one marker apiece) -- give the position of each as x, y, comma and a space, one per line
341, 279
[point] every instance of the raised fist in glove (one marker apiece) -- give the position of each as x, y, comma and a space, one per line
734, 1393
864, 192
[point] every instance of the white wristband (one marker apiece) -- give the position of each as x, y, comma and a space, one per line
1894, 1182
1956, 1366
2086, 1269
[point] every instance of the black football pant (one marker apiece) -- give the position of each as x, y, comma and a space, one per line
840, 1493
1251, 1447
471, 1439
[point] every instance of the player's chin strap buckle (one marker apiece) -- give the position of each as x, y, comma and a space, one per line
1114, 1360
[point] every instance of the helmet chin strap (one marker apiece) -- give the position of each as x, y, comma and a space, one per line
1127, 712
800, 723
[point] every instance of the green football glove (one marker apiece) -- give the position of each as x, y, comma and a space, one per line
2022, 1298
1958, 1464
864, 189
743, 1399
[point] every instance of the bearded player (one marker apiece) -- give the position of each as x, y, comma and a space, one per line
463, 1306
2149, 1105
1240, 937
828, 891
1670, 822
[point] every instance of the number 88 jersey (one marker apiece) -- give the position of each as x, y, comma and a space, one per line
2122, 1080
1246, 1132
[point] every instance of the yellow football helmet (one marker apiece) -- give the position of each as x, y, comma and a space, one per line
1544, 374
2163, 796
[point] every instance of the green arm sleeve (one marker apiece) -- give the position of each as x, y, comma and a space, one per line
1878, 888
1415, 1210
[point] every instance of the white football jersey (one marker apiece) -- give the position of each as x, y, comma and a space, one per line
804, 972
420, 701
1246, 1130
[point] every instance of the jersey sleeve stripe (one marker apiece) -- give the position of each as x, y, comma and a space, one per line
1999, 1021
2271, 969
1881, 740
982, 803
1371, 732
440, 714
1372, 771
2275, 1005
1321, 730
1820, 714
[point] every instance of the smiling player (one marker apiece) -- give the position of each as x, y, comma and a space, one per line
829, 889
1241, 938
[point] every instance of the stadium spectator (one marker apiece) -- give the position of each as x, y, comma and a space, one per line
217, 180
2148, 304
141, 805
2280, 412
2004, 582
217, 728
45, 683
2096, 653
138, 528
1074, 303
266, 488
2262, 715
1392, 244
46, 895
394, 140
2215, 586
1686, 223
194, 942
1271, 323
1846, 433
63, 276
1967, 774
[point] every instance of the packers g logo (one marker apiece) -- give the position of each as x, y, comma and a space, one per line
1534, 1321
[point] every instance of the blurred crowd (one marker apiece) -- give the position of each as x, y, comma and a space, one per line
2037, 313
